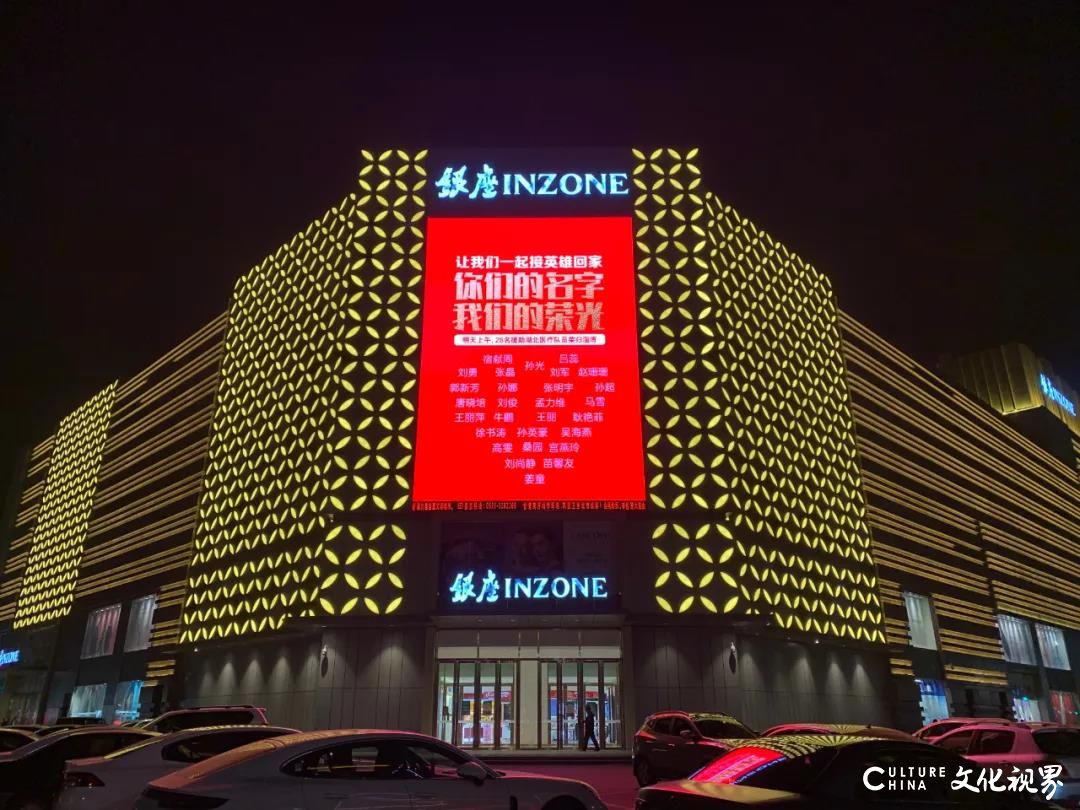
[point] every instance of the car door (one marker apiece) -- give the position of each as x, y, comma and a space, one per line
685, 754
958, 741
645, 740
660, 747
437, 785
363, 775
991, 748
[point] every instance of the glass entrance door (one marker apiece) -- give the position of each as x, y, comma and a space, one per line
479, 703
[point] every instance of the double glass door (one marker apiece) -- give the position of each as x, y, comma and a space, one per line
581, 704
476, 703
526, 703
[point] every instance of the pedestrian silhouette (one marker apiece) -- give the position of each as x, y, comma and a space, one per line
590, 728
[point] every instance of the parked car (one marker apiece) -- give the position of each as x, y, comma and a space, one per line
672, 745
47, 730
367, 769
33, 728
825, 772
931, 731
115, 780
204, 716
79, 721
31, 776
1025, 745
847, 729
12, 738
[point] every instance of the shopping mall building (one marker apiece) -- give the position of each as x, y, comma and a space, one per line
509, 436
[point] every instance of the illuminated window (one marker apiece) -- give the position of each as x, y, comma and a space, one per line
1026, 708
89, 699
1016, 640
140, 623
932, 700
101, 626
1065, 708
127, 700
920, 621
1052, 646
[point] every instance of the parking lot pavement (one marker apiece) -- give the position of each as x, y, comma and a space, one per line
614, 781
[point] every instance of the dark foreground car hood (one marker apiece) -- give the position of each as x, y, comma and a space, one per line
693, 795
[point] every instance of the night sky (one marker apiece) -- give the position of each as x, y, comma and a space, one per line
923, 156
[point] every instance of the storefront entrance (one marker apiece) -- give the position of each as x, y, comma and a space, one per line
525, 702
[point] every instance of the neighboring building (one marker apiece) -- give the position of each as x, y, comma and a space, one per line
506, 435
977, 541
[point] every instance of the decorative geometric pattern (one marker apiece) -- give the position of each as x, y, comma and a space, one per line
52, 570
18, 550
314, 416
695, 568
361, 566
373, 457
746, 413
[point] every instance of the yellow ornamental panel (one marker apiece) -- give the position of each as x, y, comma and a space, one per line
52, 568
746, 410
314, 417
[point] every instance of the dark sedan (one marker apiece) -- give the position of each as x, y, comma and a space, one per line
825, 772
672, 745
31, 776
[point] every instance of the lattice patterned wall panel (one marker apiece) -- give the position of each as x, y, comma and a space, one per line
52, 569
746, 409
373, 459
313, 425
18, 551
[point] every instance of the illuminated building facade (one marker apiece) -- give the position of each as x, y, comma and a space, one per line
508, 436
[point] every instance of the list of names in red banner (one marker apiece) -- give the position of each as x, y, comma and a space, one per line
528, 370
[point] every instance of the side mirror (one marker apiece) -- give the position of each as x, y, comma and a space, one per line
688, 734
473, 771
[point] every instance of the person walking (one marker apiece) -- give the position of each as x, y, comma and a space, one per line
590, 728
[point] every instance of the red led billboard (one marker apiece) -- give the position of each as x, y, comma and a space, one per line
529, 391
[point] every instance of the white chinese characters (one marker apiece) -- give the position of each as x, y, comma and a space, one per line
463, 588
485, 184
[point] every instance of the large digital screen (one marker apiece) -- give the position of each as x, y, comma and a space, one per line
529, 390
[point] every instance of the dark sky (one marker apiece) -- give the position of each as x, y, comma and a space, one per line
924, 156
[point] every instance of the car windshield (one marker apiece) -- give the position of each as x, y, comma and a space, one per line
228, 759
942, 728
1059, 742
722, 729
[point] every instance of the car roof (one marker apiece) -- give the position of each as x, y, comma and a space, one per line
695, 715
797, 745
235, 727
51, 739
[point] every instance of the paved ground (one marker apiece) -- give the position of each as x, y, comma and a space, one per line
614, 781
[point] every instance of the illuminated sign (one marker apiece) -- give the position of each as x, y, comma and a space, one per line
529, 392
489, 588
486, 184
1054, 395
8, 657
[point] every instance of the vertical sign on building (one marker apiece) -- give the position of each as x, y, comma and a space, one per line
529, 391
